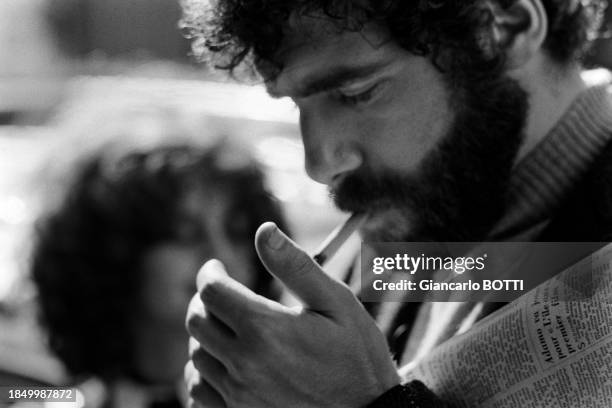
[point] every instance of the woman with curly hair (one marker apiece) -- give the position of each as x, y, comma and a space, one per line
115, 263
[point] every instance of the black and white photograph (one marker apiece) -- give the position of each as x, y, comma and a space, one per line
305, 204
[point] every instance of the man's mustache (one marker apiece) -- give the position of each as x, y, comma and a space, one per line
366, 191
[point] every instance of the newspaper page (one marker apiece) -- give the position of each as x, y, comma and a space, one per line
552, 347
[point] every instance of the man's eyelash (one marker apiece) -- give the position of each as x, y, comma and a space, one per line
358, 98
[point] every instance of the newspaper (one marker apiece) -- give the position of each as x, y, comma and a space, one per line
552, 347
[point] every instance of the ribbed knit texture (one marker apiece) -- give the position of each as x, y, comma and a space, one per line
546, 175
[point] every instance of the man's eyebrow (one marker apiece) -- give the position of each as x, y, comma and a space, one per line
330, 80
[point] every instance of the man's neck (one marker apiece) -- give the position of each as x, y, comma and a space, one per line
551, 92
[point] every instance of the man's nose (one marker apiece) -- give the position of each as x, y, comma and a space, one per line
329, 151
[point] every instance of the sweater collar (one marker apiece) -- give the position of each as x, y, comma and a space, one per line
546, 175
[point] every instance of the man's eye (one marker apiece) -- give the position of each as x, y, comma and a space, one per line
355, 98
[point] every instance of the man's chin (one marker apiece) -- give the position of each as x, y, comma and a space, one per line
389, 224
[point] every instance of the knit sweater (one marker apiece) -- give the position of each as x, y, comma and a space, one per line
561, 191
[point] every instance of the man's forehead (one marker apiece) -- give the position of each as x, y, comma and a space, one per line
316, 45
313, 27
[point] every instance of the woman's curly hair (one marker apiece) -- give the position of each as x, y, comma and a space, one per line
455, 33
87, 252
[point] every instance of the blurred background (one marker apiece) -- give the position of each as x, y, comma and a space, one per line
68, 67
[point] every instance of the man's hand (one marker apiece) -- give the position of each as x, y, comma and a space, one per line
248, 351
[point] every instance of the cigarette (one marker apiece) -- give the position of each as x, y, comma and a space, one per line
338, 237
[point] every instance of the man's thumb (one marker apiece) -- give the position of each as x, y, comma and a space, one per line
297, 270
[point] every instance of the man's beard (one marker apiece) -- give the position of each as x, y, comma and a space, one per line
459, 190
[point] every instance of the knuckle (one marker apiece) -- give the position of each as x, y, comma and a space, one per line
193, 345
190, 374
194, 303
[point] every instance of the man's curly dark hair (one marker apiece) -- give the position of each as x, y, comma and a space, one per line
86, 260
454, 33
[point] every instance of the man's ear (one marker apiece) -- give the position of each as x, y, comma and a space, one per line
519, 30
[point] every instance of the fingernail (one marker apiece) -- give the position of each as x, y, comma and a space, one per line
275, 239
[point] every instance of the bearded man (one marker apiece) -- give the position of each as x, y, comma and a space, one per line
443, 120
